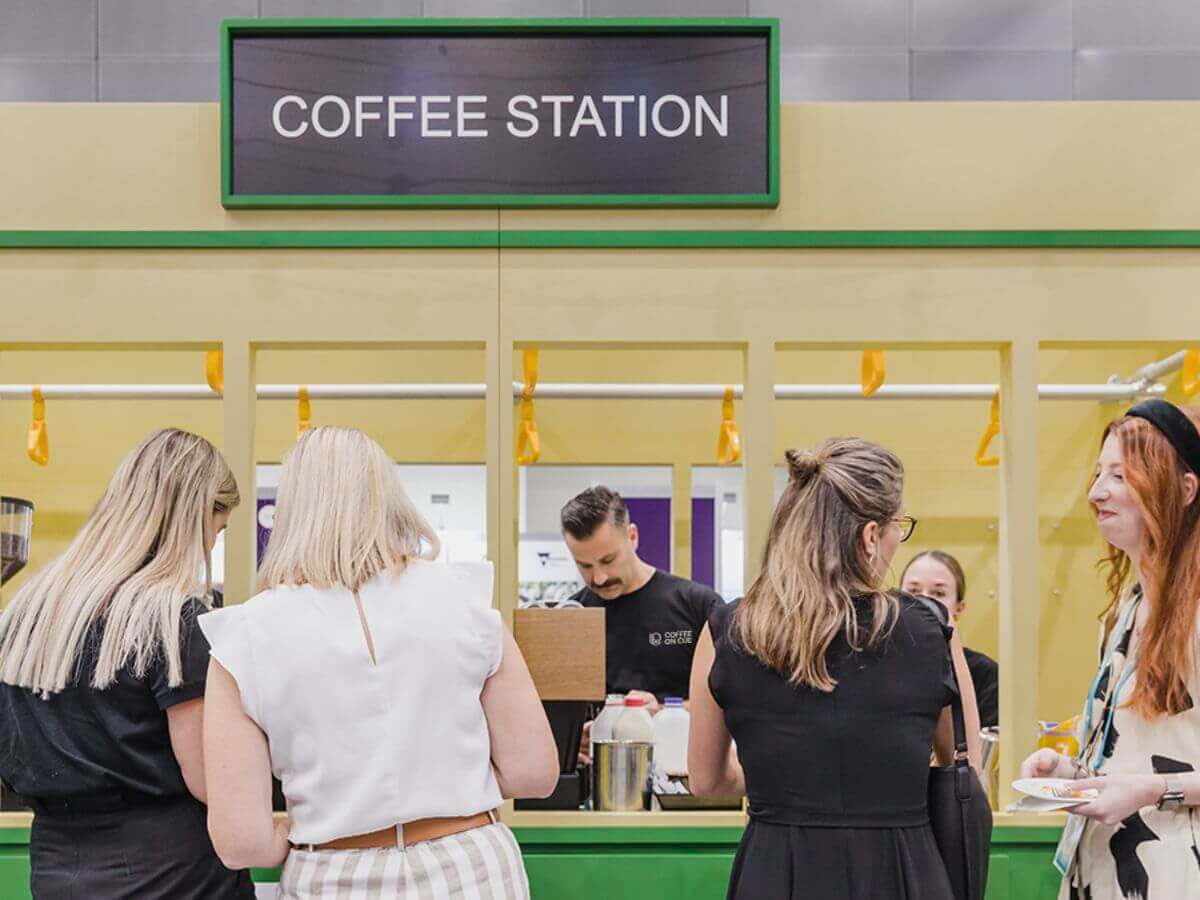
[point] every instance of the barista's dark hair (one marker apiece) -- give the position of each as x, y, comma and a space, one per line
586, 512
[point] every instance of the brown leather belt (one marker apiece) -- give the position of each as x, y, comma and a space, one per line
414, 833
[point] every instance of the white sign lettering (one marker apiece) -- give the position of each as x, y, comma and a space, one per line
444, 116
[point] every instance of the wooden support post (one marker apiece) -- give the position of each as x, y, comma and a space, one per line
502, 475
241, 536
1019, 590
757, 416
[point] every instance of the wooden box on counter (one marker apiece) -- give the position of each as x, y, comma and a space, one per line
564, 649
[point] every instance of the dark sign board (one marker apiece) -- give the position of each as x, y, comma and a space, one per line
471, 112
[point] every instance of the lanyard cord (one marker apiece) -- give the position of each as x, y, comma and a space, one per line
1110, 711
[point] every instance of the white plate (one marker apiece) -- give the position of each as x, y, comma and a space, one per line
1054, 793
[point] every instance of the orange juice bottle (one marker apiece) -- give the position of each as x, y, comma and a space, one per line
1060, 736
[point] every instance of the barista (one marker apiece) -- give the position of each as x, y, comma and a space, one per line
652, 618
939, 575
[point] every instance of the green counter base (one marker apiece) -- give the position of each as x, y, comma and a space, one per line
680, 863
652, 862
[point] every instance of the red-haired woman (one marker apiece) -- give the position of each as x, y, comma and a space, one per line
1141, 730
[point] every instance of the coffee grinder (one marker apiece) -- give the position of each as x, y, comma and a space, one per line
16, 527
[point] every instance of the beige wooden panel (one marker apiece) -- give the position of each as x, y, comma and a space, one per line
150, 166
851, 297
242, 300
957, 166
271, 297
844, 166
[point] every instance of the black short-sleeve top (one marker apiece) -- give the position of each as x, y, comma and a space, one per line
651, 634
857, 756
84, 742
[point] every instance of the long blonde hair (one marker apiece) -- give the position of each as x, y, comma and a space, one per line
341, 516
815, 564
141, 553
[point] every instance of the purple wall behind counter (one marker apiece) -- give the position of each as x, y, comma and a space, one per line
652, 515
704, 566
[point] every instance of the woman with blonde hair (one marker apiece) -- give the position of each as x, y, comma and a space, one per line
1141, 728
380, 687
834, 690
102, 672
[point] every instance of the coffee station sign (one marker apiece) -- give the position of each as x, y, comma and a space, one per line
466, 112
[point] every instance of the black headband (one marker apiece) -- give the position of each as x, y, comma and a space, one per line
1176, 427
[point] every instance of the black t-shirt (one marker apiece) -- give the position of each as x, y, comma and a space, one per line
651, 634
83, 741
985, 675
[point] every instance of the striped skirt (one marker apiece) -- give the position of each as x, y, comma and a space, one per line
479, 864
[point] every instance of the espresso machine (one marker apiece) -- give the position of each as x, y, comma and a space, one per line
16, 528
564, 650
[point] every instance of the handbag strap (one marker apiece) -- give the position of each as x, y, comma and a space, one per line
962, 758
964, 776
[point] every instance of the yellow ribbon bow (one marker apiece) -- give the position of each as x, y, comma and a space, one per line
1191, 373
39, 438
303, 413
529, 445
873, 371
214, 371
729, 442
993, 429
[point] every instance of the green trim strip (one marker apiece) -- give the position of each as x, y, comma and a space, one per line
850, 239
265, 239
230, 28
244, 240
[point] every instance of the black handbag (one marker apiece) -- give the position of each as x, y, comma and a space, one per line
961, 817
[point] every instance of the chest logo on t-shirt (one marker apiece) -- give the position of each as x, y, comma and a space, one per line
671, 638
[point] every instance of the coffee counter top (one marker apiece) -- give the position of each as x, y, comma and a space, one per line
660, 819
704, 819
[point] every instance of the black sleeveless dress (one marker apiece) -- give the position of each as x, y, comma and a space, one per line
837, 782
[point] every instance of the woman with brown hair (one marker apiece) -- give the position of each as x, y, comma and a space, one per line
1141, 728
834, 690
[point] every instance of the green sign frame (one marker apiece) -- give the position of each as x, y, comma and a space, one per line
231, 28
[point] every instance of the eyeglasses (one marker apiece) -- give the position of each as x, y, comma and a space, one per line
907, 525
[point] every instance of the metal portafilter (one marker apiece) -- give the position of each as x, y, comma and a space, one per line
16, 526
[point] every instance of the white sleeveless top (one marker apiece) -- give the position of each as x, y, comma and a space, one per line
362, 746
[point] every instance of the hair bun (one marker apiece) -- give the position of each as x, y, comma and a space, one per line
802, 464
